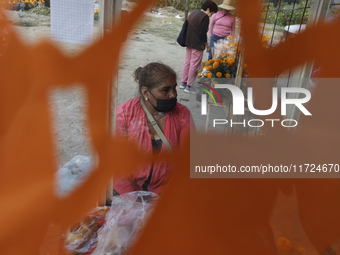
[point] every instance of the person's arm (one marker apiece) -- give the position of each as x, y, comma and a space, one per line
122, 184
203, 32
187, 126
121, 126
211, 26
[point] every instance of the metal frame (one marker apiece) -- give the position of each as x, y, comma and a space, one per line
111, 10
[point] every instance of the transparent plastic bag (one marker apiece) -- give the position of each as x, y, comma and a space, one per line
127, 215
81, 238
224, 48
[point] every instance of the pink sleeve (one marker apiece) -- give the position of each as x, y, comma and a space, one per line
123, 185
121, 126
211, 26
187, 126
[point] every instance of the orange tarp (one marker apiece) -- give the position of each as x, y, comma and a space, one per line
194, 216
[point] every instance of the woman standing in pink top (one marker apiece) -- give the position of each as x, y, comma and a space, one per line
222, 24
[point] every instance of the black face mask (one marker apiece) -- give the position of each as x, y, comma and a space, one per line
164, 105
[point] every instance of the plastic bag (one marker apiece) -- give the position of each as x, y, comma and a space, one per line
224, 48
126, 217
81, 238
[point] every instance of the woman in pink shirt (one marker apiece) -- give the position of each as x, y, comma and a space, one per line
157, 86
222, 25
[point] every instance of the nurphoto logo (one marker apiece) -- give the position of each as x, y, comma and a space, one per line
238, 107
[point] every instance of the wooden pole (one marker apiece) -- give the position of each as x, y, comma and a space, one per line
187, 2
111, 14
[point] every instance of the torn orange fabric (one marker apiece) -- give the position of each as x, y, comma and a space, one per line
194, 216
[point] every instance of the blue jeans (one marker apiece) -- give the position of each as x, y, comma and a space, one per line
213, 39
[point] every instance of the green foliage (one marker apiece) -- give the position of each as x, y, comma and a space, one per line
285, 14
180, 4
195, 4
40, 10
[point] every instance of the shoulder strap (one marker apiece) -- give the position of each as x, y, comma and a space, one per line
156, 127
220, 17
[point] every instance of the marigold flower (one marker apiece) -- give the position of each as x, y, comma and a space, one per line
230, 37
215, 82
211, 61
265, 38
199, 74
206, 74
209, 75
301, 250
284, 245
230, 61
219, 74
209, 68
216, 65
227, 75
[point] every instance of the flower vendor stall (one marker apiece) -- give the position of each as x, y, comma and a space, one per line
227, 67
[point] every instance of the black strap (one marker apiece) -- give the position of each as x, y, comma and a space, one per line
147, 182
220, 18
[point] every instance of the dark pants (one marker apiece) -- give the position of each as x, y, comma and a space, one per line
214, 38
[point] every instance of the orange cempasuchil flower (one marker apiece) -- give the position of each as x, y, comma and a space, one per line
216, 65
227, 75
230, 62
219, 74
209, 75
211, 61
209, 68
284, 245
265, 38
301, 250
199, 74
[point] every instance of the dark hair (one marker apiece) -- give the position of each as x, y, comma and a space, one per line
153, 74
209, 4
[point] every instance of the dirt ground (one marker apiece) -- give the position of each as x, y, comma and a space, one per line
154, 40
